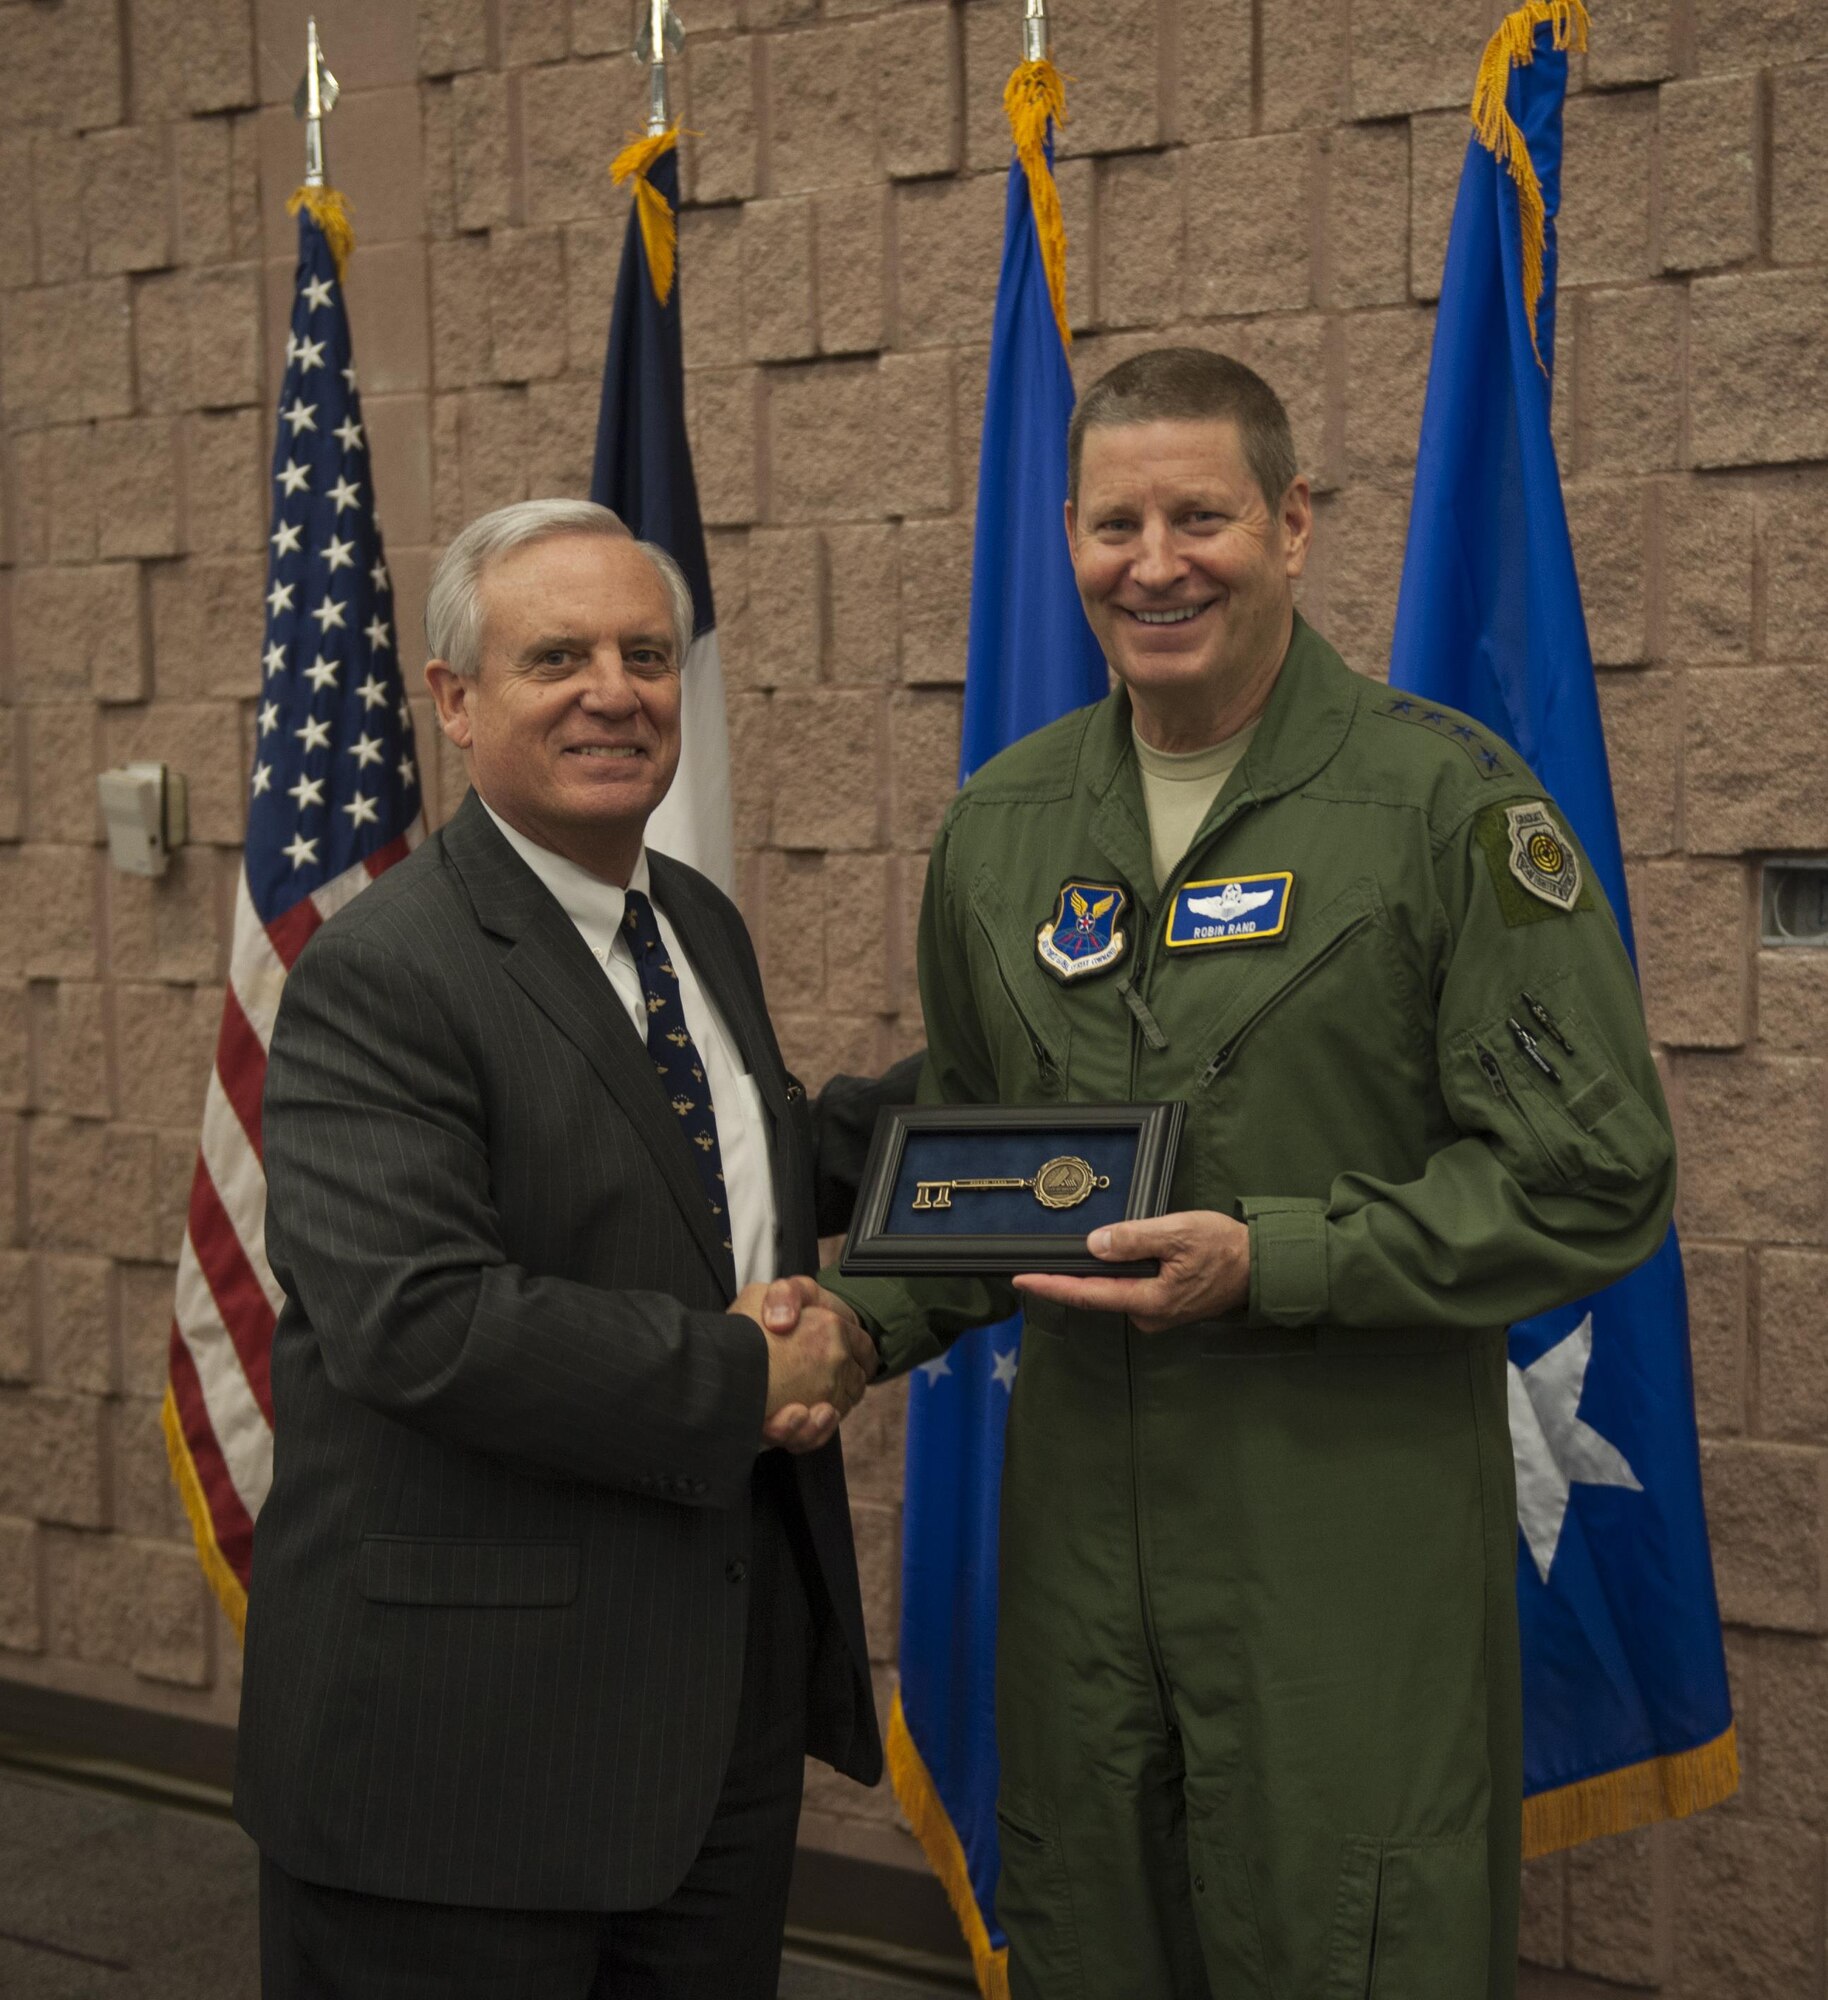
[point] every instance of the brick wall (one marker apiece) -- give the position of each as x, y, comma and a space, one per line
1271, 176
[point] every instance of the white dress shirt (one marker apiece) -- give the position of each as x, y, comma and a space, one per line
596, 907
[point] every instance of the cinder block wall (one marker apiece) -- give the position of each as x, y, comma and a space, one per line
1271, 176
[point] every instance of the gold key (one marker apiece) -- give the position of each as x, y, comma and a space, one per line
1061, 1183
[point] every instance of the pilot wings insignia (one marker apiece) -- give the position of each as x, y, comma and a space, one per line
1231, 901
1082, 937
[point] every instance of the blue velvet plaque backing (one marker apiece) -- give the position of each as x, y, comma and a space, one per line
944, 1155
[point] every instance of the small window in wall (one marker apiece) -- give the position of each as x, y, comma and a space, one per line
1794, 900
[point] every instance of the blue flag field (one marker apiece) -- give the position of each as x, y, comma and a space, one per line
643, 470
1031, 659
1626, 1712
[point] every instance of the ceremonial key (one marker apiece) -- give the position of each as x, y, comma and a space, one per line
1061, 1183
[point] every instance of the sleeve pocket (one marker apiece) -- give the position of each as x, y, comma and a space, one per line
1584, 1128
403, 1569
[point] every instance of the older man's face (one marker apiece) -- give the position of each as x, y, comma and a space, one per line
572, 724
1186, 569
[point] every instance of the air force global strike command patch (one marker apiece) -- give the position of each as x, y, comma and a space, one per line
1540, 859
1535, 870
1081, 937
1236, 909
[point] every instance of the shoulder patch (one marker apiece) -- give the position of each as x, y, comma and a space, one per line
1485, 755
1534, 866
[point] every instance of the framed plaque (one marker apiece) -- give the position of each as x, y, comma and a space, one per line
958, 1189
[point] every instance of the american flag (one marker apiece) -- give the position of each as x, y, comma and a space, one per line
333, 800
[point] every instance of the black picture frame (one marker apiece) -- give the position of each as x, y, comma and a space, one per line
875, 1248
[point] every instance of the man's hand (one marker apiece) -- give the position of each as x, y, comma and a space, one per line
1205, 1271
819, 1360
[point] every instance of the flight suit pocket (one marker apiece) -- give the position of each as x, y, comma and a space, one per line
1411, 1920
1034, 1902
1029, 1030
1558, 1106
1354, 910
1225, 1910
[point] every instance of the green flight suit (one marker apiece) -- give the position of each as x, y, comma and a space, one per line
1258, 1702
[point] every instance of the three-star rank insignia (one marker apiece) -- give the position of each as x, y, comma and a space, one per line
1082, 936
1540, 859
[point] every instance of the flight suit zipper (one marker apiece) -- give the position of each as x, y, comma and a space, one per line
1145, 1031
1493, 1074
1271, 1001
1047, 1063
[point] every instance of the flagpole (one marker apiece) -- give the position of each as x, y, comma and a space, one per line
315, 99
1034, 30
661, 29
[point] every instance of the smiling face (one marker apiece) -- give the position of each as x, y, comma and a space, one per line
571, 722
1187, 572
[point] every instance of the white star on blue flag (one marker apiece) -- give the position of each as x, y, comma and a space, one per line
337, 705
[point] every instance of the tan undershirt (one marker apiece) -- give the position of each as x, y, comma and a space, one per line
1179, 787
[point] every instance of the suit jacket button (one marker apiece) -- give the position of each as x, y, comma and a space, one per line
736, 1570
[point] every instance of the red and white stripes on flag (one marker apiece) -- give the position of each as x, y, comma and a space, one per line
333, 800
218, 1411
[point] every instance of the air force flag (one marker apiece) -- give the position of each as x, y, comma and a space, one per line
1031, 659
1626, 1712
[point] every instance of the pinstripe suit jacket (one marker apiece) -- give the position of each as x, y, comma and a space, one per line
495, 1635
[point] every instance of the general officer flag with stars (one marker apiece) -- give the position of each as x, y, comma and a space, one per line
643, 470
1626, 1711
1031, 658
334, 798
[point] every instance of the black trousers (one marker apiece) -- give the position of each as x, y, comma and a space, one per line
716, 1937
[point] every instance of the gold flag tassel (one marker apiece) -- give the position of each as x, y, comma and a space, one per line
1035, 95
330, 212
222, 1580
1672, 1787
1513, 46
659, 232
918, 1797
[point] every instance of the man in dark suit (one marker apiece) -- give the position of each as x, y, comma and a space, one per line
554, 1588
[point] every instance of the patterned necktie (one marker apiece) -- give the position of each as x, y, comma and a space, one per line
681, 1068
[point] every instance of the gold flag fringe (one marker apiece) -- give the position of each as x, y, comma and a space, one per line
222, 1580
1512, 47
330, 212
919, 1799
1035, 95
659, 232
1617, 1801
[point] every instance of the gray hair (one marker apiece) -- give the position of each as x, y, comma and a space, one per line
453, 603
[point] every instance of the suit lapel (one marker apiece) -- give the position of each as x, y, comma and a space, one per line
552, 965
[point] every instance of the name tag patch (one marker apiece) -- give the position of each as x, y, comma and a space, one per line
1233, 909
1082, 936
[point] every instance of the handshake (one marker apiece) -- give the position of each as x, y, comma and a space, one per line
819, 1360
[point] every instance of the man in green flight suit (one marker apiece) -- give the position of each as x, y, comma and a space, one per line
1258, 1707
